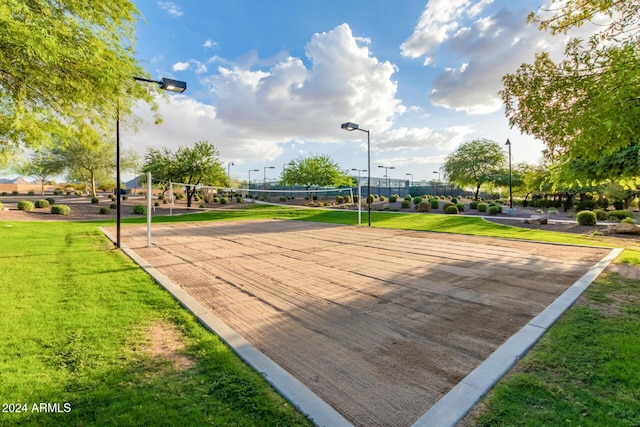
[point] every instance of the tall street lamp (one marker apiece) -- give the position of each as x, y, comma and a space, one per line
265, 175
165, 84
411, 181
508, 144
354, 126
252, 170
386, 174
229, 171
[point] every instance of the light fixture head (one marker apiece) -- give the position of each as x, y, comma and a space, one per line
349, 126
508, 142
173, 85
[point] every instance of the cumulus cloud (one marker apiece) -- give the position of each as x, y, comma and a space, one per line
182, 66
403, 138
209, 44
288, 99
172, 9
479, 46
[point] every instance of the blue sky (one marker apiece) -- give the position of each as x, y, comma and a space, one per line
269, 82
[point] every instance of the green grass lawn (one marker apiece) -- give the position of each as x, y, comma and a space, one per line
585, 370
77, 315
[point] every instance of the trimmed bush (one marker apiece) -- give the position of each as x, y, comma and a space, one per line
201, 206
31, 193
14, 193
105, 210
451, 209
140, 209
41, 203
494, 210
408, 197
629, 221
95, 200
126, 197
60, 209
554, 211
393, 198
482, 207
239, 199
51, 200
445, 205
586, 205
113, 206
601, 214
25, 205
586, 218
424, 206
435, 203
417, 200
382, 198
284, 199
156, 203
454, 200
620, 214
474, 205
224, 201
405, 204
460, 207
371, 198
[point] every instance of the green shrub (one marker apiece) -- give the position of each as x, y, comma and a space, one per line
435, 203
201, 206
78, 193
408, 197
239, 199
156, 203
4, 193
474, 205
482, 207
125, 197
450, 209
454, 200
417, 200
371, 198
629, 221
618, 205
25, 205
586, 218
494, 210
460, 207
553, 211
224, 200
601, 214
14, 193
586, 205
339, 200
51, 200
41, 203
31, 193
382, 198
445, 205
314, 198
284, 199
113, 206
393, 198
620, 214
104, 210
95, 200
140, 209
424, 206
57, 193
216, 199
405, 204
60, 209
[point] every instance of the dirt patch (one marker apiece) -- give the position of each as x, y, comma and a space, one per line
379, 323
164, 341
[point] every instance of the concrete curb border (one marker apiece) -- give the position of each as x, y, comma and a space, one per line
297, 393
455, 405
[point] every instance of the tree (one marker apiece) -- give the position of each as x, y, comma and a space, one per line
88, 161
475, 163
191, 167
316, 170
585, 106
64, 64
43, 165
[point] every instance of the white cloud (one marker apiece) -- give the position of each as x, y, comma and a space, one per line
180, 66
477, 53
170, 8
200, 68
209, 44
443, 140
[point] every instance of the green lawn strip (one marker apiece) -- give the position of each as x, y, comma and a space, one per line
73, 329
422, 222
584, 371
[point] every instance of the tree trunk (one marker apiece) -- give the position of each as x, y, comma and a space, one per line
477, 192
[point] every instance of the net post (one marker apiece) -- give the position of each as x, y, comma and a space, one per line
148, 209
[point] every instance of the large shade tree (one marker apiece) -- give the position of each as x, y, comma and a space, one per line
318, 170
65, 64
190, 166
475, 163
586, 105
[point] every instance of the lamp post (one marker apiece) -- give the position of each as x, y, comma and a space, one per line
438, 182
165, 84
351, 127
386, 174
229, 170
265, 175
508, 144
252, 170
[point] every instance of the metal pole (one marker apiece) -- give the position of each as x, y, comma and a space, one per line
368, 176
148, 209
117, 177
